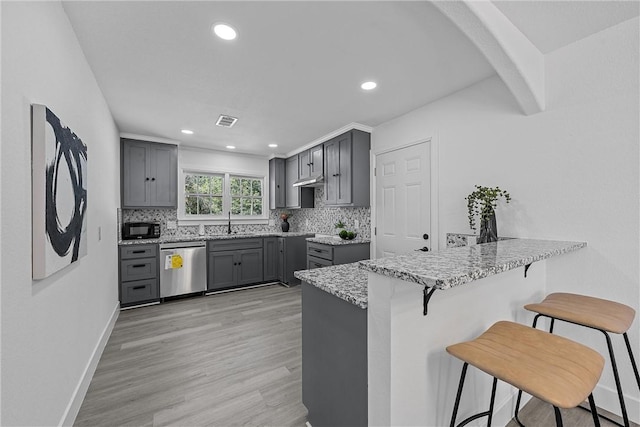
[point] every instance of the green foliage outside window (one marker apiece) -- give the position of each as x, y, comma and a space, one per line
246, 196
203, 194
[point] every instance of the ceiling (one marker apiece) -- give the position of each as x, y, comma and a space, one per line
293, 74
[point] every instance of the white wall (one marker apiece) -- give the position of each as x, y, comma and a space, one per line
51, 328
573, 171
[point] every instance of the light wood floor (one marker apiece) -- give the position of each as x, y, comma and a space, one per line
223, 360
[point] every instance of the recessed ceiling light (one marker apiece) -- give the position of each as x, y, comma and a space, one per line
273, 145
368, 85
187, 131
231, 147
224, 31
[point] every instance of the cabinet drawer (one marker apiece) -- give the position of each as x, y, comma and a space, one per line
139, 291
138, 269
138, 251
315, 262
234, 244
320, 251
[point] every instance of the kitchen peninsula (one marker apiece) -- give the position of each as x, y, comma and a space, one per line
411, 379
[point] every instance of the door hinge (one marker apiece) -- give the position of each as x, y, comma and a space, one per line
375, 231
375, 171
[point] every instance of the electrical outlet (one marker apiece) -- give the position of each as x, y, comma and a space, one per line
172, 225
357, 223
272, 222
306, 223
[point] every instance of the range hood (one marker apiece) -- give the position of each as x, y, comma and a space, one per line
313, 181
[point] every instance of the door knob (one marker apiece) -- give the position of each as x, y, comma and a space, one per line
423, 249
425, 236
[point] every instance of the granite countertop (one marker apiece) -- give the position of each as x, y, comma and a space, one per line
337, 241
460, 265
346, 281
198, 238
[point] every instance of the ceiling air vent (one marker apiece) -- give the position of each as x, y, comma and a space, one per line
226, 121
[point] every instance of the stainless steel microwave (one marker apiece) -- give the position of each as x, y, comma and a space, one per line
140, 230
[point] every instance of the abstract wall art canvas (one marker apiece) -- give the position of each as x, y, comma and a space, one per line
59, 192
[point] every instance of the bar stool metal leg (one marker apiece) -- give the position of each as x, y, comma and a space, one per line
488, 413
616, 377
558, 416
633, 361
594, 411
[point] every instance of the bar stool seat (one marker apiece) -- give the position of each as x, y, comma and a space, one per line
593, 312
552, 368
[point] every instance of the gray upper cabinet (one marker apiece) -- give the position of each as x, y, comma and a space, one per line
296, 197
311, 162
149, 174
277, 190
346, 169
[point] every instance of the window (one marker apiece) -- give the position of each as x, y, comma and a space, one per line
203, 194
246, 196
213, 195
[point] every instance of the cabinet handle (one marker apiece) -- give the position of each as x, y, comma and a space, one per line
318, 265
239, 263
147, 179
138, 252
318, 250
138, 265
336, 174
153, 179
135, 288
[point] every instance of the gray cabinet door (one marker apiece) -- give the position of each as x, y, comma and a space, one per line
292, 194
316, 160
222, 270
304, 163
149, 174
346, 169
277, 183
270, 258
250, 266
135, 172
164, 175
282, 257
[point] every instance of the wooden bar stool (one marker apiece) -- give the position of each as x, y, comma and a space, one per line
595, 313
552, 368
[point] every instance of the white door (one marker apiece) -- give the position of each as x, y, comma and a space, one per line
403, 194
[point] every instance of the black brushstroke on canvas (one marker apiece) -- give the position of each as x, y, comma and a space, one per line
69, 146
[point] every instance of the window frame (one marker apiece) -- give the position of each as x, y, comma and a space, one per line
209, 219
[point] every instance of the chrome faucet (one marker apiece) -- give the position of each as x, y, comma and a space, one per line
229, 228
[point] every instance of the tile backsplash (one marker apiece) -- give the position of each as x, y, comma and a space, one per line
320, 219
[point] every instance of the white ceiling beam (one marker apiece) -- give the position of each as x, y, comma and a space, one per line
516, 60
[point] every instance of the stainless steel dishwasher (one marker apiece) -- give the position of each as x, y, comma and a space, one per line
183, 268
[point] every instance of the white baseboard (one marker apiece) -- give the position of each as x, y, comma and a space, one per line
607, 398
71, 412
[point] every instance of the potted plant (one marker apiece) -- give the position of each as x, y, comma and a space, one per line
284, 216
339, 226
482, 202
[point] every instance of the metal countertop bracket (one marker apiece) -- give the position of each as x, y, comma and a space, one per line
526, 268
427, 296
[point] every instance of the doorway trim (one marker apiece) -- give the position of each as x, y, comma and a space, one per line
435, 185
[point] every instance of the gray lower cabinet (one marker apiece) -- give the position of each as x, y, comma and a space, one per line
149, 174
334, 360
321, 255
138, 274
235, 263
291, 258
270, 254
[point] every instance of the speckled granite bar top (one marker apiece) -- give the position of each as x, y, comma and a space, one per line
346, 281
336, 241
457, 266
210, 237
